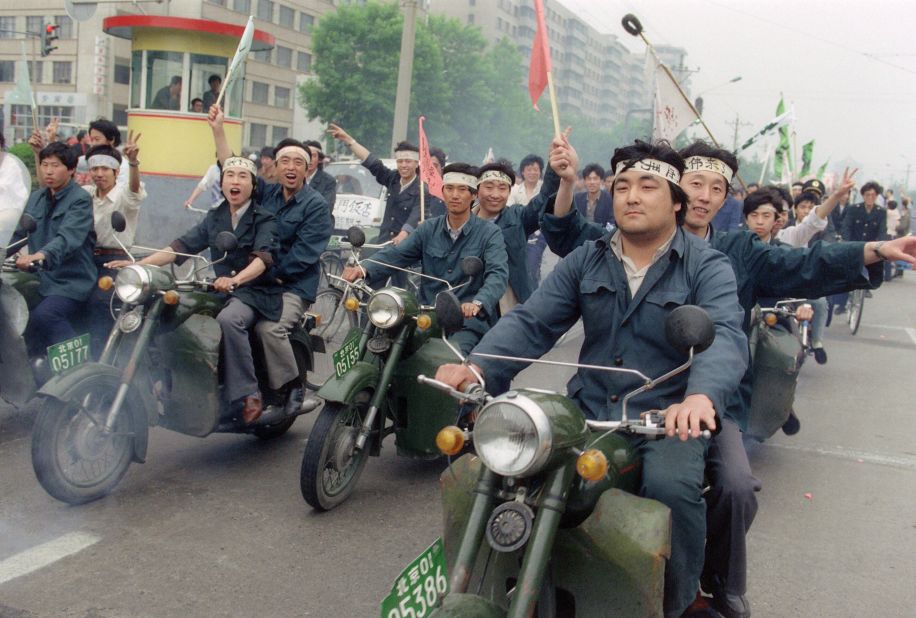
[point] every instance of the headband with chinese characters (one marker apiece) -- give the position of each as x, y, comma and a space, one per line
240, 163
650, 166
494, 175
410, 155
767, 208
708, 164
459, 178
292, 149
101, 160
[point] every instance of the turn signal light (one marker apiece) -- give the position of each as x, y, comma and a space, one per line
450, 440
770, 319
592, 465
171, 297
424, 321
106, 283
351, 304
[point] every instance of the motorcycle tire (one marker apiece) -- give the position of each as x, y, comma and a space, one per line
856, 306
73, 460
269, 432
330, 467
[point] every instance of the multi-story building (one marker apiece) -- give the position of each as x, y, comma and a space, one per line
89, 74
594, 73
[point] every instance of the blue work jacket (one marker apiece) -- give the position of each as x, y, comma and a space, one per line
762, 270
402, 210
432, 246
303, 229
604, 209
627, 331
861, 225
66, 236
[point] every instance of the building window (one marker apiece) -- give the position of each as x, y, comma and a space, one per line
6, 70
122, 71
66, 26
287, 17
472, 2
305, 62
280, 133
34, 24
263, 55
36, 71
265, 10
242, 6
470, 18
63, 72
306, 22
281, 98
7, 27
119, 114
257, 135
284, 57
217, 2
259, 92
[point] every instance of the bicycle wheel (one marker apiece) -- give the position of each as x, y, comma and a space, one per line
856, 303
331, 264
334, 325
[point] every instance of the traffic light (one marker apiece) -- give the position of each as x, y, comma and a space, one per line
48, 36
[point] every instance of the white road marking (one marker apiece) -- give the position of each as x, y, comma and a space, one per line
912, 333
909, 331
882, 459
40, 556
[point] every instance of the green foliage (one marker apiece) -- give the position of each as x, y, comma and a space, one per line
24, 153
474, 95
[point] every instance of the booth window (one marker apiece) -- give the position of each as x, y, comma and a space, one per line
136, 70
164, 87
207, 74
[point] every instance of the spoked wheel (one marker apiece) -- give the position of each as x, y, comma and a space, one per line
331, 465
856, 303
335, 323
74, 458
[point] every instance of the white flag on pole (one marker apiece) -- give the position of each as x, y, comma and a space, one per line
673, 113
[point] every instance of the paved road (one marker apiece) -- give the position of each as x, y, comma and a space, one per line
216, 527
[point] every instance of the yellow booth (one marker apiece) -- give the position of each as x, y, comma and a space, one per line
177, 66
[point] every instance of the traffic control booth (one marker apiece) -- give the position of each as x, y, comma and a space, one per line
174, 51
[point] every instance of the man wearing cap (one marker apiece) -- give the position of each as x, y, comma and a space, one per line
303, 229
253, 295
319, 179
109, 197
623, 286
439, 245
762, 271
402, 212
812, 217
517, 223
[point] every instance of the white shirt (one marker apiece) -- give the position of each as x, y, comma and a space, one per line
893, 218
119, 199
799, 234
636, 275
518, 194
209, 185
15, 185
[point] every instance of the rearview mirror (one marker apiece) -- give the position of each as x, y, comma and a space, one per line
688, 327
118, 222
356, 237
471, 265
448, 312
226, 242
27, 224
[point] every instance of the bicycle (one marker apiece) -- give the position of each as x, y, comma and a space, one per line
854, 309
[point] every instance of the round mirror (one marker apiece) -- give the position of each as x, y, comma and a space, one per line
688, 327
356, 236
448, 312
226, 241
27, 224
118, 222
471, 265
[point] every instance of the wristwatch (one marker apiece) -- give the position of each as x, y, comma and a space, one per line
877, 249
478, 303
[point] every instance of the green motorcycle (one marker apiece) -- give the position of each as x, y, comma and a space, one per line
159, 367
373, 392
543, 520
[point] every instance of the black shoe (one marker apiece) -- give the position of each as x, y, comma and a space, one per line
731, 605
839, 310
792, 425
868, 294
820, 355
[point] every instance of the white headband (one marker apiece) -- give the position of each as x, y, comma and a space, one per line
291, 150
103, 160
765, 207
494, 175
459, 178
241, 163
651, 166
708, 164
410, 155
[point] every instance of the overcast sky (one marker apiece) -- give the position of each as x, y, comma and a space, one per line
830, 59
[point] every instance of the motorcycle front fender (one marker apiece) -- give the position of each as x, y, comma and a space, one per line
342, 389
60, 387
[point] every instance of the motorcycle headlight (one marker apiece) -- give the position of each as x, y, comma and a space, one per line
132, 284
385, 309
512, 436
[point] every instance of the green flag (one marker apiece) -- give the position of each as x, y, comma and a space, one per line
807, 153
782, 150
822, 169
21, 94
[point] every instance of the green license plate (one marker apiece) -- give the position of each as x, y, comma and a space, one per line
420, 587
334, 242
68, 354
348, 354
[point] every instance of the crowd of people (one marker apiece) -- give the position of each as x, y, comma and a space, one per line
658, 229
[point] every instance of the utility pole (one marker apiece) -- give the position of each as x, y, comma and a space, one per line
737, 123
405, 73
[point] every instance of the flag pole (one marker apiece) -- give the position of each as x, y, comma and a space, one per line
422, 201
553, 104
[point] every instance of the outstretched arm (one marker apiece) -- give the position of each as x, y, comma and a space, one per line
215, 120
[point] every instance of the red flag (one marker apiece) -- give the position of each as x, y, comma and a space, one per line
540, 57
428, 173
